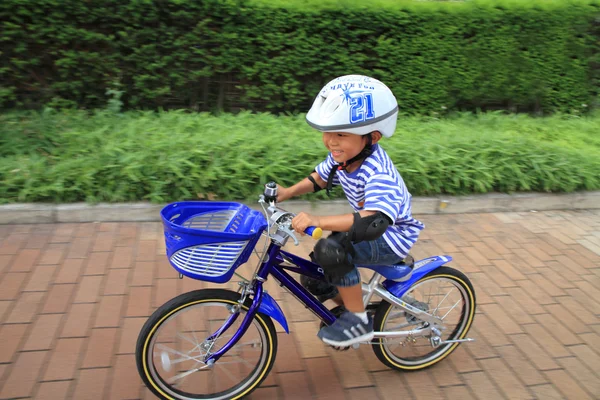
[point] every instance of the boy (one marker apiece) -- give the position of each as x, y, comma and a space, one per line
354, 112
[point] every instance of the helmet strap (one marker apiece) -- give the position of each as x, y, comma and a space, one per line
364, 153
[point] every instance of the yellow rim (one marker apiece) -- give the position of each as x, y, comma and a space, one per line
146, 343
451, 348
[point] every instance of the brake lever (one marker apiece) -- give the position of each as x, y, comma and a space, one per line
290, 233
284, 221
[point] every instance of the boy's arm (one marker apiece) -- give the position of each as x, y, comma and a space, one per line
334, 223
300, 188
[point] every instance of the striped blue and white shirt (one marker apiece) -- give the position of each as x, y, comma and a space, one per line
377, 186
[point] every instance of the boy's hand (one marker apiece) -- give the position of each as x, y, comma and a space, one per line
283, 193
303, 221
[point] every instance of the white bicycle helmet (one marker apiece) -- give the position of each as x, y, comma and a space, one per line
354, 104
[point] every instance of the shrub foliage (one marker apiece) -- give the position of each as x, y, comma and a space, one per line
170, 156
538, 55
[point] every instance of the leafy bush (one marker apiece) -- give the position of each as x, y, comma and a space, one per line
539, 55
168, 156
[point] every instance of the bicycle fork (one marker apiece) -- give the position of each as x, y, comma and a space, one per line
245, 324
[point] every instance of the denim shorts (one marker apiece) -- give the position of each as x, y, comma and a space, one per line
375, 252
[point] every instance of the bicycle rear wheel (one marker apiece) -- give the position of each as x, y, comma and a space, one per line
174, 341
445, 293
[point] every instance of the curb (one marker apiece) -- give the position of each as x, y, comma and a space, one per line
40, 213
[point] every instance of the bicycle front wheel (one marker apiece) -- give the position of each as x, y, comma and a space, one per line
176, 339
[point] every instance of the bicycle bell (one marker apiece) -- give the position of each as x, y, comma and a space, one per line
270, 192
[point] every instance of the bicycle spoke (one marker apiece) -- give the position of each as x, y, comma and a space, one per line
455, 304
195, 343
437, 295
195, 338
199, 359
226, 372
184, 374
428, 296
393, 345
251, 343
179, 353
440, 303
396, 315
238, 361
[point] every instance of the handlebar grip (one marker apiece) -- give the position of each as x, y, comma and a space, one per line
314, 231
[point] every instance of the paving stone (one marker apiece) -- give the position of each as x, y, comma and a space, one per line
72, 303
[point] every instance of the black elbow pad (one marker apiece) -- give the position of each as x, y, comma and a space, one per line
369, 228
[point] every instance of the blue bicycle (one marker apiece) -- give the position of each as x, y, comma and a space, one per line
221, 344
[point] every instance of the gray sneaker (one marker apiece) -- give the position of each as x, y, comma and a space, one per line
347, 330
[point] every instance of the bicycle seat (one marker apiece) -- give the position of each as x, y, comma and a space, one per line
393, 272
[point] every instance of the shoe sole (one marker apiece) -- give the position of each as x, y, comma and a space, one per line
364, 338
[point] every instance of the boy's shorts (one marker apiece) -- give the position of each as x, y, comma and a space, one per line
375, 252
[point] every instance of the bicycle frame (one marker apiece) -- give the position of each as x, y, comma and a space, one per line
274, 264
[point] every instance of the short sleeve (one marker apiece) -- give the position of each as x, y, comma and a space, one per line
383, 193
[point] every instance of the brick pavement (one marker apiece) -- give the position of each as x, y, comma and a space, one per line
74, 296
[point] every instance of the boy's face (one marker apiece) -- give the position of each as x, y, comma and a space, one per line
343, 146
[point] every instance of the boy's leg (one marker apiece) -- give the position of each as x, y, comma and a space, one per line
354, 325
351, 298
322, 290
350, 290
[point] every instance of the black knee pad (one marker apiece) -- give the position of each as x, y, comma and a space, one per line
333, 257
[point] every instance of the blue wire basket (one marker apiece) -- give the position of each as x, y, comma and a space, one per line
209, 240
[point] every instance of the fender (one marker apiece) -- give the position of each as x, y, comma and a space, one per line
269, 306
420, 269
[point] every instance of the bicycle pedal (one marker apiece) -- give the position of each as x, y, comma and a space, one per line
338, 348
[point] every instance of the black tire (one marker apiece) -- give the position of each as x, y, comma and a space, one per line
175, 307
386, 356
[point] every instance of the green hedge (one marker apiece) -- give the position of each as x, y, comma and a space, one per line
537, 55
170, 156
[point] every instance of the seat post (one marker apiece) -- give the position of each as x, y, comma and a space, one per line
369, 288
